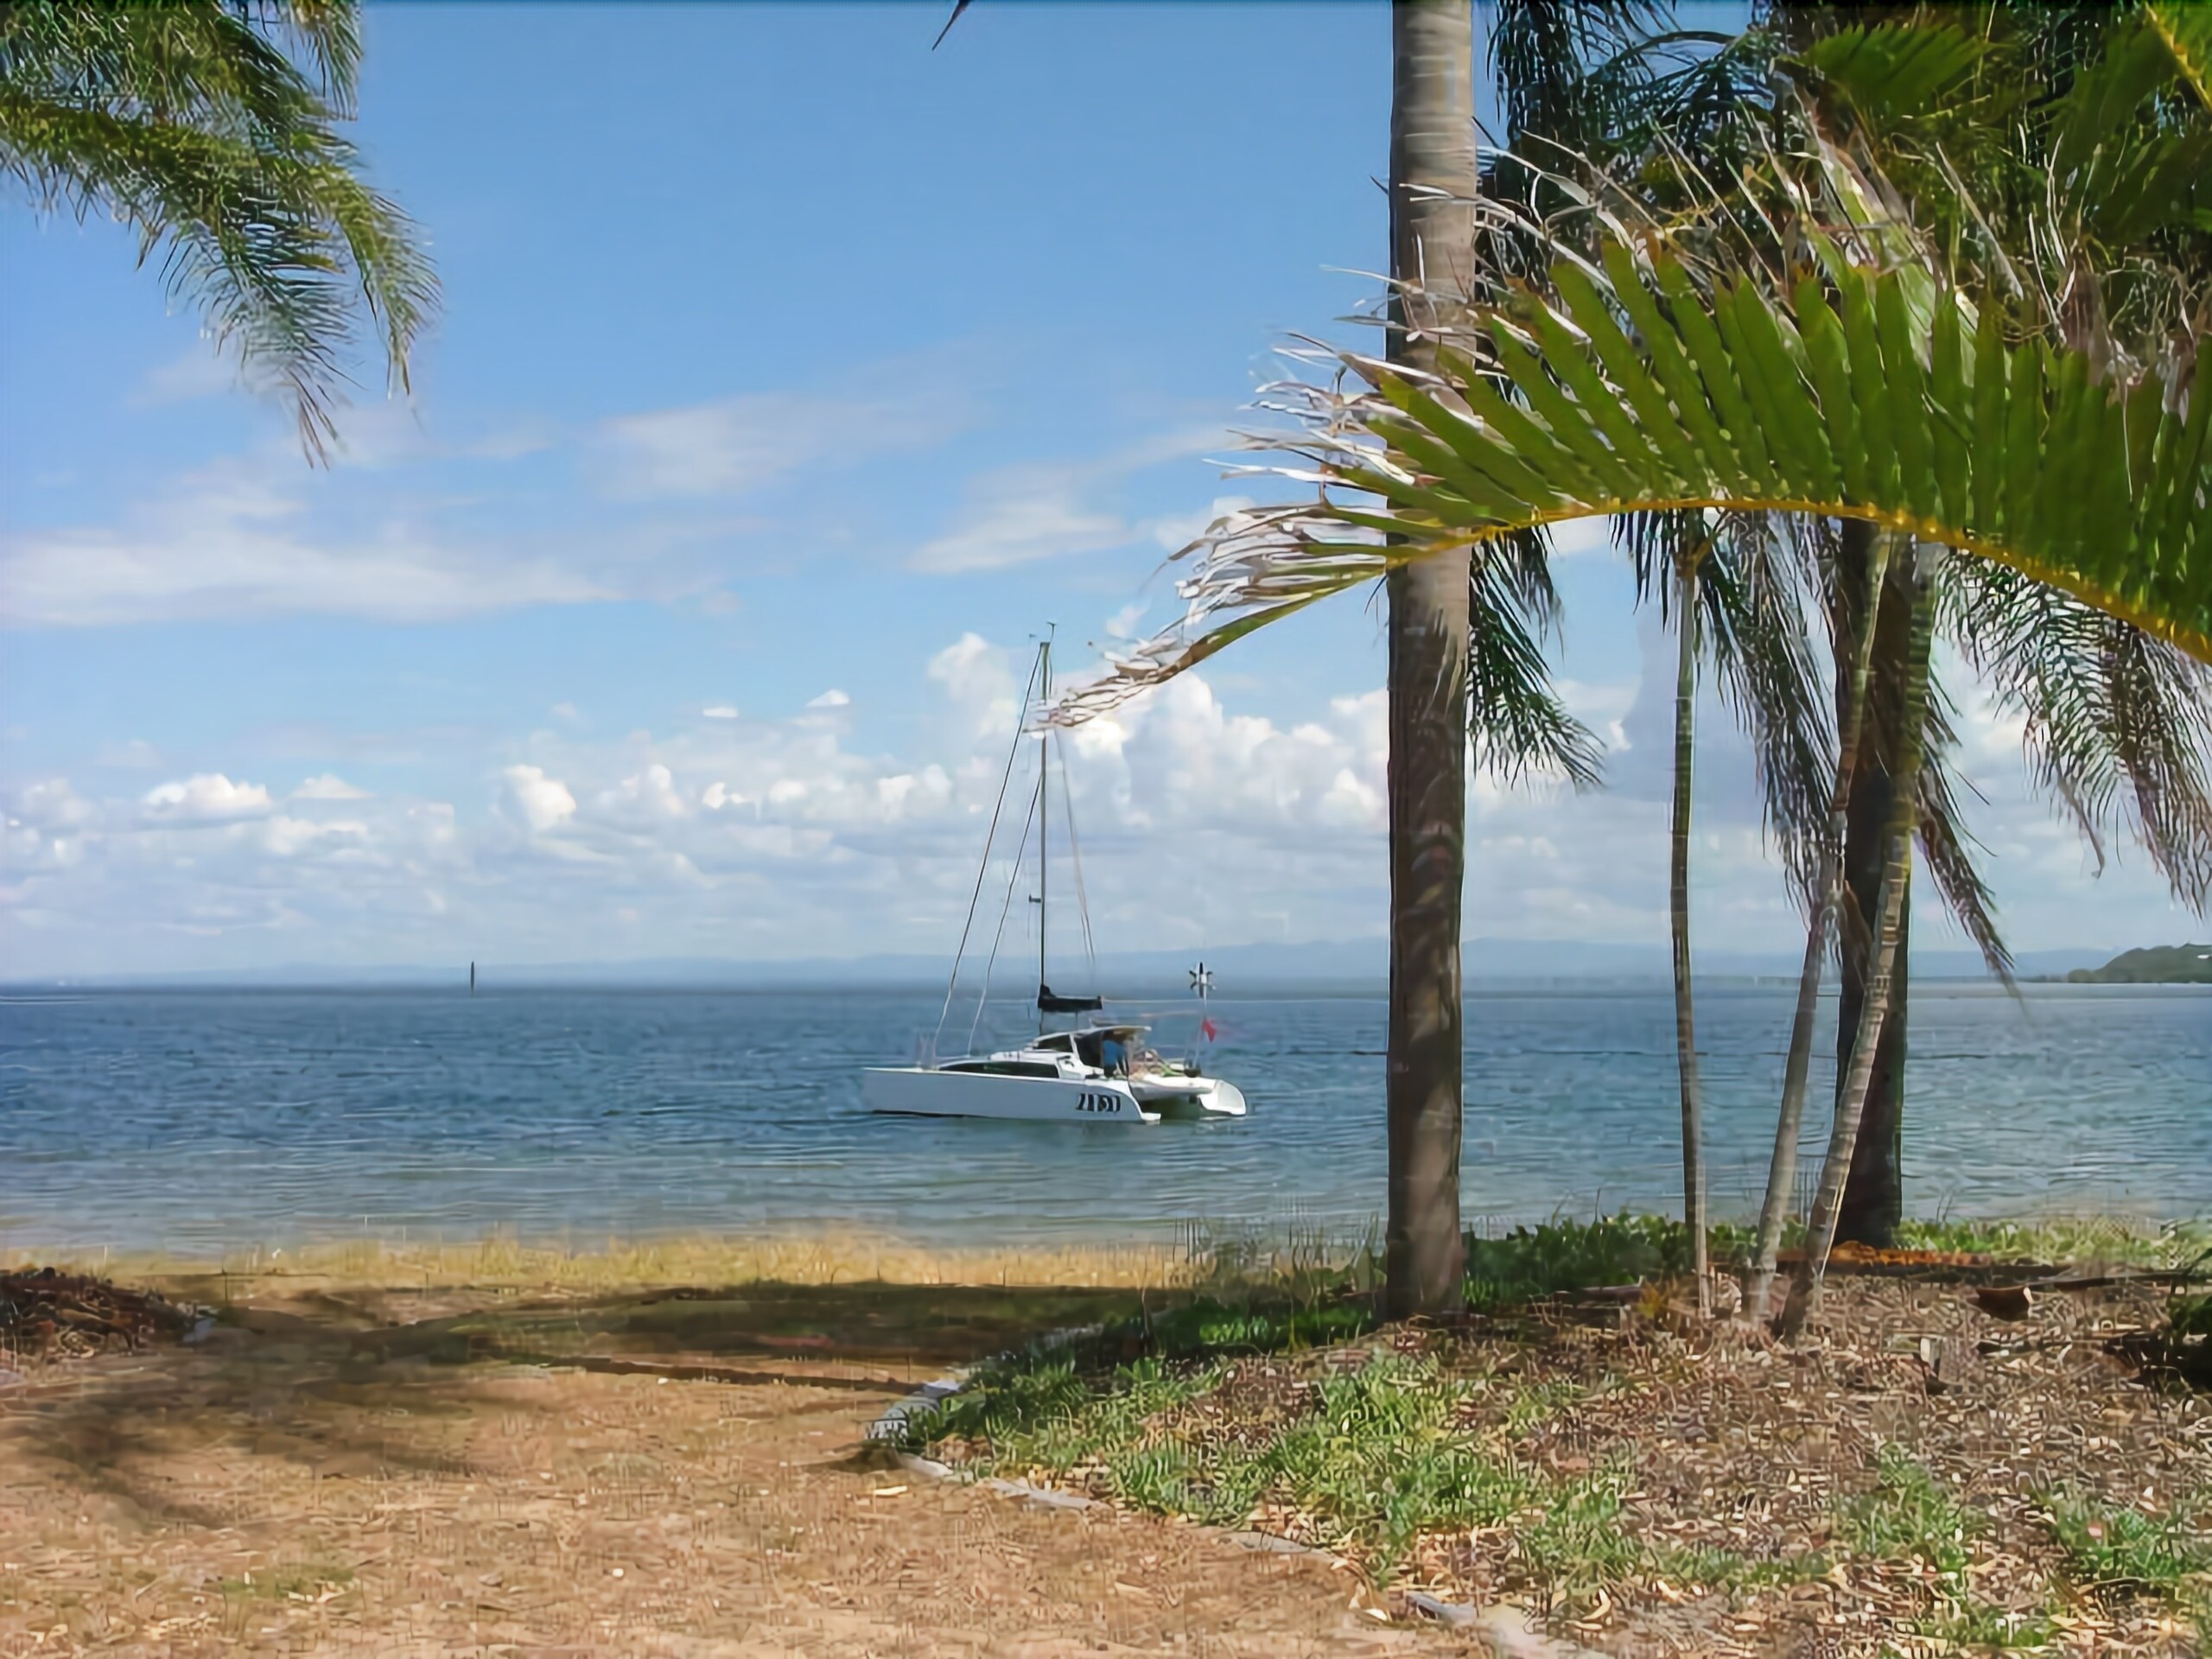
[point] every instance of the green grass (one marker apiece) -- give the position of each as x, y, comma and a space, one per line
1911, 1516
1531, 1263
2119, 1550
1977, 1624
305, 1580
1369, 1461
2067, 1239
1211, 1326
1373, 1457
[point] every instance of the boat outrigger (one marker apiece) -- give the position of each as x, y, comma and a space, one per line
1100, 1072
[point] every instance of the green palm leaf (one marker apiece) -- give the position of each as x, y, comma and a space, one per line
2016, 453
2186, 27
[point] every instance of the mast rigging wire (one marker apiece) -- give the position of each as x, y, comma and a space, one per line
990, 837
1013, 876
1075, 856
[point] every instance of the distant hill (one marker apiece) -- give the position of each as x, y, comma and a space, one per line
2157, 964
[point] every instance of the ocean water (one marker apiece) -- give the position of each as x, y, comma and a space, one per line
216, 1120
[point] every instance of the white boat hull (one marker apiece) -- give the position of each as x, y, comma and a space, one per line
929, 1091
1188, 1097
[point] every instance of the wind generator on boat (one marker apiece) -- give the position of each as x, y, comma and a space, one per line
1099, 1071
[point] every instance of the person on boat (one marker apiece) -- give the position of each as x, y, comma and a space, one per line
1114, 1055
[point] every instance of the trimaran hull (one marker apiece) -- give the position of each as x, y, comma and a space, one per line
927, 1092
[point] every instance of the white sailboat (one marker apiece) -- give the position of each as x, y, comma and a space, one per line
1100, 1072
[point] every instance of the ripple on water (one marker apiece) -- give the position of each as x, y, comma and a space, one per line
207, 1119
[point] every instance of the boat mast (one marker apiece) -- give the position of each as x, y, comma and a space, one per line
1043, 806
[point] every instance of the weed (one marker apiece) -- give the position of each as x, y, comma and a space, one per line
1977, 1624
1375, 1458
2065, 1238
2119, 1550
1209, 1325
1531, 1263
303, 1581
1912, 1514
1723, 1569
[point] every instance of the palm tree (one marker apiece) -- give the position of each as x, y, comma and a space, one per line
197, 125
1432, 186
1826, 899
1854, 1087
1678, 913
2021, 101
1875, 391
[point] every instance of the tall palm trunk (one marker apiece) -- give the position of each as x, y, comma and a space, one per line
1678, 911
1866, 553
1432, 246
1896, 873
1873, 1203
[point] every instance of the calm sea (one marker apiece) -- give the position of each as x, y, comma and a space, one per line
205, 1121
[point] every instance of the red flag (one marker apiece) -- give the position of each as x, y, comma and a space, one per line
1208, 1026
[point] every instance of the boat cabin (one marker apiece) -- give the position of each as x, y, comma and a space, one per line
1104, 1048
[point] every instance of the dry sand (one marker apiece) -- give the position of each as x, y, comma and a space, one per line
326, 1486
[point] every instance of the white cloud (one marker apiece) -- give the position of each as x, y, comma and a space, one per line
833, 699
203, 371
329, 786
739, 444
975, 676
546, 803
1178, 531
52, 804
1020, 514
1199, 817
224, 547
207, 797
719, 711
1582, 539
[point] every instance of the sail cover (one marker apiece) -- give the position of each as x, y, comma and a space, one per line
1049, 1002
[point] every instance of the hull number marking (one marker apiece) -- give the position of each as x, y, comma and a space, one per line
1090, 1102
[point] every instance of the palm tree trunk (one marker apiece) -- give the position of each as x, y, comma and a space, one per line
1433, 179
1678, 911
1873, 1192
1863, 550
1896, 873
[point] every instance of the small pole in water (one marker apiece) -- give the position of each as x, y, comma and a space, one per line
472, 979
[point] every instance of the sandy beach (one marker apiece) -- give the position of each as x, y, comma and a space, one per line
319, 1478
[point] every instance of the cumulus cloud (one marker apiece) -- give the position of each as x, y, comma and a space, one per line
329, 786
833, 699
1202, 820
544, 803
207, 797
719, 711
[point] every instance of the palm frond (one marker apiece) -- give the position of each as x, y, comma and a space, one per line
1754, 588
188, 124
2185, 25
2117, 727
1948, 847
1854, 402
1517, 724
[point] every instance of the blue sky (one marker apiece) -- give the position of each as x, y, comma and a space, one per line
790, 378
